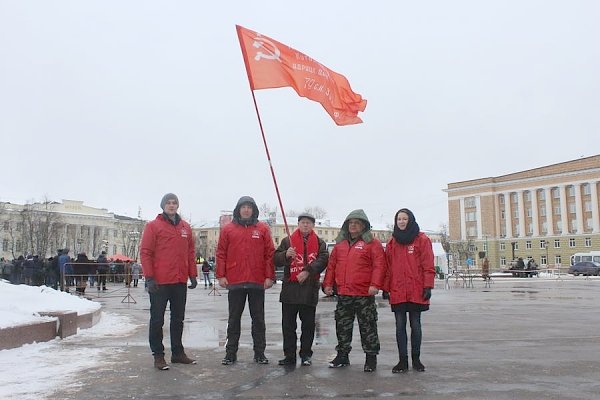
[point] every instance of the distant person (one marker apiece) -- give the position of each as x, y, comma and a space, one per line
303, 257
102, 270
136, 268
485, 269
245, 267
531, 264
520, 263
168, 260
66, 270
410, 278
206, 274
81, 272
357, 266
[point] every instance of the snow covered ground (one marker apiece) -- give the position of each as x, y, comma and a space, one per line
30, 371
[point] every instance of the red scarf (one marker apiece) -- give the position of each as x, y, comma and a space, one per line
312, 250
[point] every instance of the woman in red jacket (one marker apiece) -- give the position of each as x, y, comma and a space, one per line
409, 280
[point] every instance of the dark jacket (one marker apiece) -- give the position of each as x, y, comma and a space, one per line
295, 292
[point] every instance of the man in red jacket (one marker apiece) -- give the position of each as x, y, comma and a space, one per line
168, 260
245, 267
357, 266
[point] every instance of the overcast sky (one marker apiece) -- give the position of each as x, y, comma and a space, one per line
117, 102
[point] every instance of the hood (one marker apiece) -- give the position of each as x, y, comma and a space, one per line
236, 212
366, 235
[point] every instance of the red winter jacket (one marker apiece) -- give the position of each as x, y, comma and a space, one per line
409, 270
167, 251
353, 268
245, 254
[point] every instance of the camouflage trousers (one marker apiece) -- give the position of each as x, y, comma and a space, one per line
363, 307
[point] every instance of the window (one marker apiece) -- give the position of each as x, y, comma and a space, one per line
587, 206
555, 193
517, 228
588, 242
572, 208
557, 243
542, 195
544, 227
320, 232
472, 231
503, 261
571, 242
469, 202
543, 260
559, 225
501, 199
557, 259
485, 246
502, 246
589, 223
516, 213
530, 229
542, 244
276, 240
543, 211
587, 189
528, 244
573, 225
527, 195
7, 225
516, 245
470, 216
502, 214
513, 197
557, 209
571, 191
528, 212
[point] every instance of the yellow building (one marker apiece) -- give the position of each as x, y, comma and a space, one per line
548, 213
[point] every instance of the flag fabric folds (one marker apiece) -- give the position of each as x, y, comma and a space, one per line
271, 64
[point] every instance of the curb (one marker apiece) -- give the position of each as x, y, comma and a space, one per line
66, 324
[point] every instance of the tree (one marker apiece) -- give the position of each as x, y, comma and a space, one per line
38, 224
317, 211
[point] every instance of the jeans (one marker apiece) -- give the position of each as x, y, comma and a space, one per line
289, 313
175, 294
256, 303
415, 332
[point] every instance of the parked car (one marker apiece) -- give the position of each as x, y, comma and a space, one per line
585, 268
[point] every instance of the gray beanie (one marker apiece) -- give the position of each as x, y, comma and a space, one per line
167, 197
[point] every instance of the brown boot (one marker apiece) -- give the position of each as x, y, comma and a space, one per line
160, 363
182, 359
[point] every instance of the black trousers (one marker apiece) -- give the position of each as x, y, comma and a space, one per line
289, 314
256, 303
176, 295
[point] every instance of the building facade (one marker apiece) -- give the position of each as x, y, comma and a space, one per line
547, 213
43, 228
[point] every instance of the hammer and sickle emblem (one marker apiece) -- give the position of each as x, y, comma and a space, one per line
268, 53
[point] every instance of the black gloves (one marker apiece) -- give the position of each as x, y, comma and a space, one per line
426, 293
151, 285
193, 284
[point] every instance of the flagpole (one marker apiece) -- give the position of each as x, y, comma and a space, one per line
262, 131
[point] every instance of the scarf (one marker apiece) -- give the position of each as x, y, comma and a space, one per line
307, 250
409, 234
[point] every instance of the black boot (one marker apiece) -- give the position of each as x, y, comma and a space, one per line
402, 365
416, 363
370, 363
341, 360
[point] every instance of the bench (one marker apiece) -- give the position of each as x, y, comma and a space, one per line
522, 273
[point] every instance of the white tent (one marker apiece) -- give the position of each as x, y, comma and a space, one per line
439, 257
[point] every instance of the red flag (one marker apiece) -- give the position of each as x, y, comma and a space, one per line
271, 64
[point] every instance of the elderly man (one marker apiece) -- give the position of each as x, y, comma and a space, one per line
168, 260
304, 256
357, 266
245, 267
